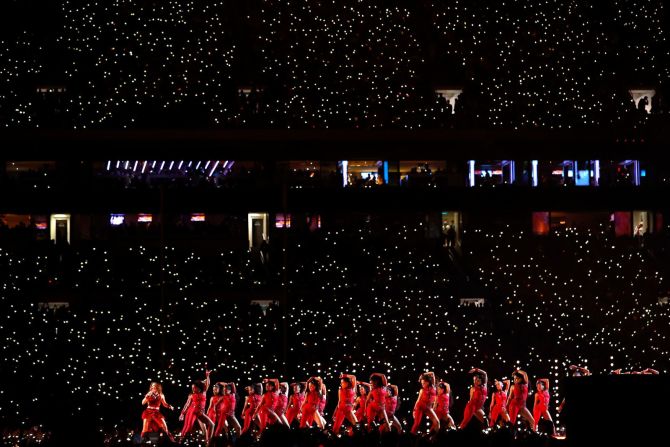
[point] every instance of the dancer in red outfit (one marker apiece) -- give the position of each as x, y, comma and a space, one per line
516, 401
345, 404
215, 412
194, 409
152, 418
265, 411
228, 410
295, 402
375, 406
363, 389
282, 403
478, 394
541, 405
425, 403
442, 405
251, 403
498, 402
310, 407
392, 407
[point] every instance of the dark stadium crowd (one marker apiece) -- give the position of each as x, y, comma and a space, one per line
87, 327
125, 304
333, 64
228, 176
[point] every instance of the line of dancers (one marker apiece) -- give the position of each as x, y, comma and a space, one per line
507, 402
371, 404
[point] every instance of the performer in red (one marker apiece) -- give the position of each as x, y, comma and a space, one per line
282, 403
228, 410
375, 405
363, 390
295, 402
265, 411
541, 405
152, 419
215, 406
194, 409
442, 405
310, 407
497, 409
516, 401
392, 407
345, 404
425, 403
478, 394
251, 403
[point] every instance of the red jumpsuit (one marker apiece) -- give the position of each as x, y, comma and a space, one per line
423, 405
391, 405
475, 403
499, 399
442, 407
309, 408
282, 404
248, 413
541, 406
195, 408
269, 402
376, 404
226, 409
215, 413
360, 411
153, 413
296, 401
345, 404
229, 403
519, 396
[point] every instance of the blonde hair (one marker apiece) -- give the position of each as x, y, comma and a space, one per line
159, 387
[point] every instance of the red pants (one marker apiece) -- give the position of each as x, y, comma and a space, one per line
496, 412
265, 417
514, 410
374, 413
360, 413
247, 420
189, 419
419, 414
538, 411
308, 418
292, 413
470, 410
340, 416
219, 424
